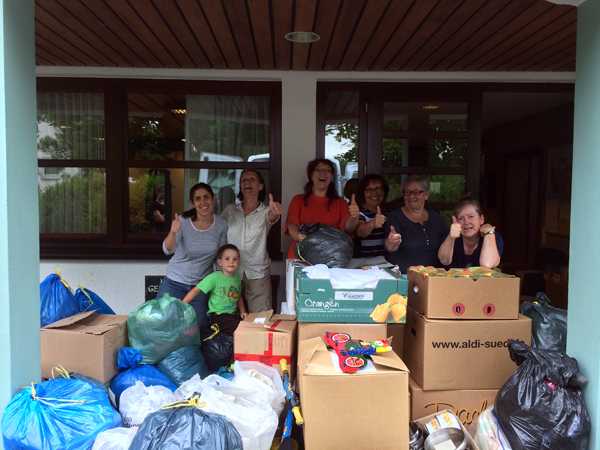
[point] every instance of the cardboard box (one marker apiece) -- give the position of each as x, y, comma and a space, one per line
362, 411
266, 338
470, 441
461, 354
370, 331
466, 404
438, 297
396, 330
86, 343
318, 301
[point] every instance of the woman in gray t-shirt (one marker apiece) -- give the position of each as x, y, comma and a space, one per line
193, 241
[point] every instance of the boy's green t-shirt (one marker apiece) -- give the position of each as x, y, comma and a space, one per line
223, 292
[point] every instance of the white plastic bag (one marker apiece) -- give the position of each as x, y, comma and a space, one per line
256, 422
489, 436
115, 439
247, 401
138, 401
257, 376
189, 388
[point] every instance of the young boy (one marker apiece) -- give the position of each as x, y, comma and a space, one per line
223, 287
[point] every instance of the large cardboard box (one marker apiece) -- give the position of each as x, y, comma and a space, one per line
266, 338
439, 297
318, 301
466, 404
472, 445
461, 354
86, 343
396, 331
362, 411
365, 331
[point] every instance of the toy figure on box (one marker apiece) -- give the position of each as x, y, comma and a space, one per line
471, 241
414, 232
225, 303
320, 203
352, 353
249, 224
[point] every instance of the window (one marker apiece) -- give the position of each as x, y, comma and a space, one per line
117, 158
340, 125
390, 129
426, 137
71, 150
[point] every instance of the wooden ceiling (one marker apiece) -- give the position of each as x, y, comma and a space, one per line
440, 35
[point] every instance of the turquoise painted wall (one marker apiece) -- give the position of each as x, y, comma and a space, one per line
19, 242
584, 291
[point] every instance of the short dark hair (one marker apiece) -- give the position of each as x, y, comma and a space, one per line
262, 194
364, 182
224, 248
467, 201
423, 180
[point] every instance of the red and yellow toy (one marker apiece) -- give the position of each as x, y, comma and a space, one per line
353, 353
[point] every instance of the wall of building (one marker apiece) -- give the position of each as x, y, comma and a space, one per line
121, 283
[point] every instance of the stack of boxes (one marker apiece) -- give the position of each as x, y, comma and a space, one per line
456, 339
366, 410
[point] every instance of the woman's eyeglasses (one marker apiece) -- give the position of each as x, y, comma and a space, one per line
413, 193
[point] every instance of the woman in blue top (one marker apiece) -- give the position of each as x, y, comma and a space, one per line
471, 241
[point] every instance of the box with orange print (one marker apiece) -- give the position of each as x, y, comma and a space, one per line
319, 300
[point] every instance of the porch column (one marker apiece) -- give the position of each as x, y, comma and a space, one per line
19, 242
584, 297
299, 135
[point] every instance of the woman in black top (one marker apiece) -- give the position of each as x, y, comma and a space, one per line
370, 234
414, 232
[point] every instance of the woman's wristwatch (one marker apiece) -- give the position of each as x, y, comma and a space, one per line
490, 231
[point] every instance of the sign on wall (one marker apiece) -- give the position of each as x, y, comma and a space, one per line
151, 285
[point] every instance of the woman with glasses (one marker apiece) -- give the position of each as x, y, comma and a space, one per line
471, 241
320, 203
370, 234
414, 231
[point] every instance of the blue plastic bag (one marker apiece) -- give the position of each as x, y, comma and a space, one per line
128, 358
90, 301
65, 413
56, 300
183, 364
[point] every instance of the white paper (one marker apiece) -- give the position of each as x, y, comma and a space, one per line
348, 278
260, 320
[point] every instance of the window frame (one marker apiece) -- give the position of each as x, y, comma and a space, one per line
118, 243
372, 95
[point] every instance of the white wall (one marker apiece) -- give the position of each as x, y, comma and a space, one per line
121, 283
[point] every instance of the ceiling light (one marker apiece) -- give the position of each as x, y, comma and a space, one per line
302, 37
431, 107
179, 111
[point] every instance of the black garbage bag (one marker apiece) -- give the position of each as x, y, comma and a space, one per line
325, 245
541, 406
217, 350
183, 364
186, 427
549, 324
